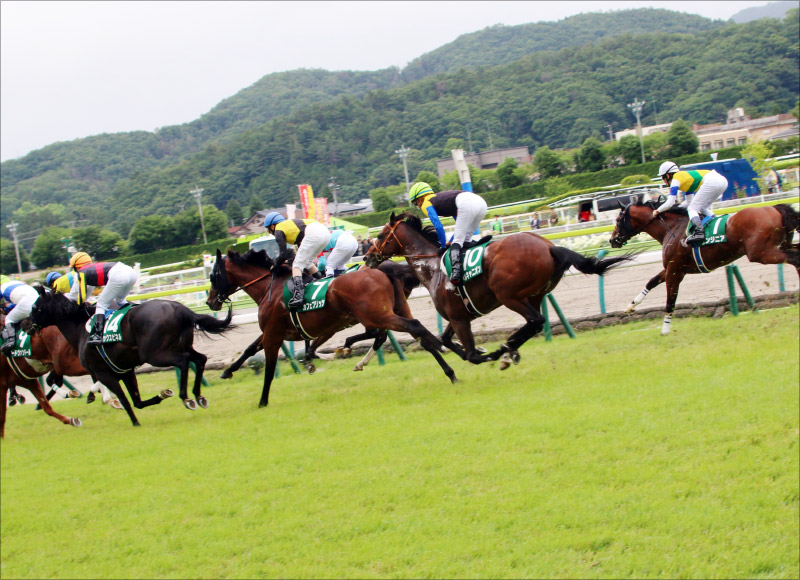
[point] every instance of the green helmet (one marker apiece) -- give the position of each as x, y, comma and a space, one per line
418, 190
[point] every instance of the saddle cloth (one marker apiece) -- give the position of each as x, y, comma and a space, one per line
472, 262
22, 345
111, 330
713, 229
313, 294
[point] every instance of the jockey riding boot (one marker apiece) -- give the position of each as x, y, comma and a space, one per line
455, 260
297, 295
338, 272
318, 275
96, 337
697, 235
9, 337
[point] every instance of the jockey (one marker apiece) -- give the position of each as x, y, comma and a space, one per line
342, 248
116, 278
18, 299
466, 207
309, 235
701, 188
58, 282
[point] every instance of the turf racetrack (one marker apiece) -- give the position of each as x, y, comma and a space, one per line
620, 454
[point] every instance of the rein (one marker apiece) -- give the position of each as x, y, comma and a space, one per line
392, 234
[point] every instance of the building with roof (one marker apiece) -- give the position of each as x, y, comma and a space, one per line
485, 159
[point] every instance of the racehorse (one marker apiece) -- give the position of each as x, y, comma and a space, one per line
22, 372
398, 274
519, 271
366, 296
763, 234
158, 332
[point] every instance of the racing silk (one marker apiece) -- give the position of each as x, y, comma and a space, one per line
87, 279
686, 181
441, 204
334, 238
64, 283
6, 290
290, 232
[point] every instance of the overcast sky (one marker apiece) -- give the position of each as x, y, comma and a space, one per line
74, 69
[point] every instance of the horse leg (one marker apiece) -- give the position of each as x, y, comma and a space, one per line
132, 385
534, 323
447, 341
107, 396
111, 382
199, 361
652, 283
35, 388
429, 342
344, 351
271, 347
379, 340
764, 254
674, 280
252, 349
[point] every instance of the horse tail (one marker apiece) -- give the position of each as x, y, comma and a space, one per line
791, 224
209, 324
564, 258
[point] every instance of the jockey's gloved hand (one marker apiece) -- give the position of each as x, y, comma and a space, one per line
279, 261
441, 251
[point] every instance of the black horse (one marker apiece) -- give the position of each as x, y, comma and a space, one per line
158, 332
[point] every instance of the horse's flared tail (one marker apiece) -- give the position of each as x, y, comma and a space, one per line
564, 258
209, 324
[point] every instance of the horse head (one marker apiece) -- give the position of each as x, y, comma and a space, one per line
51, 307
623, 229
385, 244
220, 290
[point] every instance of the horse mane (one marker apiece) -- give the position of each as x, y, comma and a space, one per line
654, 203
427, 232
65, 309
259, 259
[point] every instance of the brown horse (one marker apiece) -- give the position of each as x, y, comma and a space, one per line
519, 271
366, 296
22, 372
763, 234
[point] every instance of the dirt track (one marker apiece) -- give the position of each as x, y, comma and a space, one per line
577, 295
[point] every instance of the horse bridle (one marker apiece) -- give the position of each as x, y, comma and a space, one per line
219, 272
626, 224
379, 250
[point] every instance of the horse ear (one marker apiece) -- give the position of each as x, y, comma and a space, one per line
392, 219
40, 290
219, 255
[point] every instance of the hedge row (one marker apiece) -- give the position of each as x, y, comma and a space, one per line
181, 254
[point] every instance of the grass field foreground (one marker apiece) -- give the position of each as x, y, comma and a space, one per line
620, 454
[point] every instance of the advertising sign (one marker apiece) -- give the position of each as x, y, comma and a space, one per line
307, 200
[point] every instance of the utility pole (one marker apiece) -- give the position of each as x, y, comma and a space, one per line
636, 107
197, 193
403, 154
489, 131
610, 132
12, 227
333, 187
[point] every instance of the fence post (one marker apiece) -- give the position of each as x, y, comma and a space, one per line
601, 284
732, 291
439, 323
397, 348
743, 286
781, 284
289, 354
561, 316
548, 334
381, 360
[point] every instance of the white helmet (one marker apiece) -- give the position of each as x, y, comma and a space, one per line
666, 168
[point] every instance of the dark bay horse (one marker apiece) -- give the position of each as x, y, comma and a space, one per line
366, 296
398, 273
763, 234
519, 271
22, 372
158, 332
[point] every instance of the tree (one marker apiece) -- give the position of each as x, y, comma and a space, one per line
234, 212
188, 230
100, 243
757, 154
151, 233
383, 198
507, 174
48, 249
8, 258
548, 162
430, 178
630, 150
681, 140
256, 205
589, 157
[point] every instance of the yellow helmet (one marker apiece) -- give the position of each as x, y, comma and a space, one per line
79, 260
418, 190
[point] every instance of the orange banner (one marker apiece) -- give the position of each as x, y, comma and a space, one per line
307, 201
322, 211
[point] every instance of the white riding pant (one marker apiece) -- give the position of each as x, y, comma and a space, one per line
711, 189
315, 239
471, 210
23, 296
341, 253
121, 280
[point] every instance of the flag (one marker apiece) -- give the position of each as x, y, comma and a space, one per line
307, 200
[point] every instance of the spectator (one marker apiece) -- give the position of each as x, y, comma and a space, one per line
536, 223
585, 216
360, 249
497, 225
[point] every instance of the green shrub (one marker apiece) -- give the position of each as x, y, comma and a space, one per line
635, 180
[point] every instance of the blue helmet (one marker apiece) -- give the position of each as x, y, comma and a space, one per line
273, 218
51, 277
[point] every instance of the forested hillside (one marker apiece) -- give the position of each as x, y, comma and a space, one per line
554, 98
86, 170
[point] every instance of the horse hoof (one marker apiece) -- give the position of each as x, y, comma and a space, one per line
38, 407
115, 404
358, 368
74, 394
12, 401
203, 402
190, 404
75, 422
515, 357
166, 394
505, 361
346, 352
311, 369
90, 398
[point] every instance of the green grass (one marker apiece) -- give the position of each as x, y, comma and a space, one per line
620, 454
